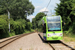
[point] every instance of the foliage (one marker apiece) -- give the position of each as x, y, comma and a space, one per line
19, 9
39, 16
66, 9
3, 26
36, 20
16, 8
18, 26
29, 26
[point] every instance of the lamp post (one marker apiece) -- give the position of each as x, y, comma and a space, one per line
30, 10
26, 13
9, 20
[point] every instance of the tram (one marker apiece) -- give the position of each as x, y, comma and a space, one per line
52, 28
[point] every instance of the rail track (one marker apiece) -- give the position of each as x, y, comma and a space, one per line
10, 40
60, 46
57, 45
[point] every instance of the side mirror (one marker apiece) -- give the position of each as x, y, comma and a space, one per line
63, 24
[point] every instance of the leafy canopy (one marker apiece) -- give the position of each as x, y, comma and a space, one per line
17, 8
37, 18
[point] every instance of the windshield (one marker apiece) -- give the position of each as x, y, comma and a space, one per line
54, 24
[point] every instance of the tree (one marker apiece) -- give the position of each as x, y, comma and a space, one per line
66, 9
34, 23
17, 8
22, 9
3, 26
37, 18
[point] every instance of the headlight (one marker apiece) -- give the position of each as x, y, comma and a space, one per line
48, 35
60, 35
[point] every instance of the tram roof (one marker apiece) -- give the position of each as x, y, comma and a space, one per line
53, 17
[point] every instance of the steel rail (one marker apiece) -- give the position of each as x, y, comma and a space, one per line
62, 44
8, 39
67, 45
13, 39
51, 46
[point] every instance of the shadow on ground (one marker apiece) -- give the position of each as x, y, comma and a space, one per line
55, 42
49, 41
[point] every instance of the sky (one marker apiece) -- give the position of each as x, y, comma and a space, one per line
40, 5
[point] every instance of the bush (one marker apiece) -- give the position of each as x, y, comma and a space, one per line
18, 26
3, 26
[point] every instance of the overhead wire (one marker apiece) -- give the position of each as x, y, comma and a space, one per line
48, 5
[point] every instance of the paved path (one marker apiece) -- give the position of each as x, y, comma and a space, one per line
29, 42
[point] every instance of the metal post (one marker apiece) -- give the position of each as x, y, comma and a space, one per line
30, 11
9, 20
26, 13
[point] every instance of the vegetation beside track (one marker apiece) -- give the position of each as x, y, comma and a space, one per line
69, 37
36, 20
19, 24
66, 9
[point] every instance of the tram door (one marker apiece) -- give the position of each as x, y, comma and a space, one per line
44, 28
44, 31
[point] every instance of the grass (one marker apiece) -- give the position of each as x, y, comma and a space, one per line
27, 31
69, 37
12, 34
